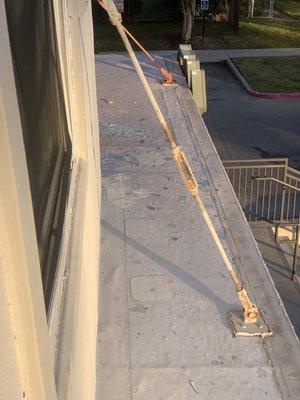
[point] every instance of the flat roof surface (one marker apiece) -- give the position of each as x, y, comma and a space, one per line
164, 291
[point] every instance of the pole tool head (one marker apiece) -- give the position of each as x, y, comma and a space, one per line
250, 321
240, 328
168, 77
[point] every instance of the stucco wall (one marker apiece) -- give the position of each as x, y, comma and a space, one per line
33, 353
75, 354
26, 360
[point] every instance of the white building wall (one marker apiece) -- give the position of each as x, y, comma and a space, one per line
26, 360
76, 353
69, 339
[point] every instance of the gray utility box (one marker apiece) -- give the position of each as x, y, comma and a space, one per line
188, 67
199, 89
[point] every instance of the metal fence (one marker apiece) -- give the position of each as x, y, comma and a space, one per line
267, 189
167, 16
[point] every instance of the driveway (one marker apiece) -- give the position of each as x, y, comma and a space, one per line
243, 127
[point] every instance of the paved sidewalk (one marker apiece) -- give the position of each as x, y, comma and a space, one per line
221, 55
164, 291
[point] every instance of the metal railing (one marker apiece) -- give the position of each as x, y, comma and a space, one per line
267, 189
294, 239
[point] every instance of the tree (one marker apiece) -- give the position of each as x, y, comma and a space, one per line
188, 9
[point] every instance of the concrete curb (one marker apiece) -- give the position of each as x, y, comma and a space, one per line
259, 95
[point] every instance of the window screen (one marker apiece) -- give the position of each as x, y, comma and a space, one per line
42, 109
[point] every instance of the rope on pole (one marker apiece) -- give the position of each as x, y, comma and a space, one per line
250, 310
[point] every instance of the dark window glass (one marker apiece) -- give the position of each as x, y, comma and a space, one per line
41, 102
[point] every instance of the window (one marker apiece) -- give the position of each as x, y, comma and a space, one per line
47, 143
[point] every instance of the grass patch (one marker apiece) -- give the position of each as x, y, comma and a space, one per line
290, 7
264, 33
271, 74
254, 33
154, 35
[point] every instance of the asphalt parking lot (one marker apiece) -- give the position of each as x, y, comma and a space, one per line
243, 127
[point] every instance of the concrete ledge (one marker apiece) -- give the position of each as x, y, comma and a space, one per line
221, 55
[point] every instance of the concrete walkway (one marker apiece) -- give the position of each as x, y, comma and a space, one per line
164, 291
221, 55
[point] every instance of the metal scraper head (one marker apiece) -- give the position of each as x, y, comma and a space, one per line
261, 328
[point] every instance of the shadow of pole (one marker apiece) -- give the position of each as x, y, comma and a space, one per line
176, 270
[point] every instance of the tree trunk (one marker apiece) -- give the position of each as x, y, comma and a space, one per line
188, 13
251, 8
187, 26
